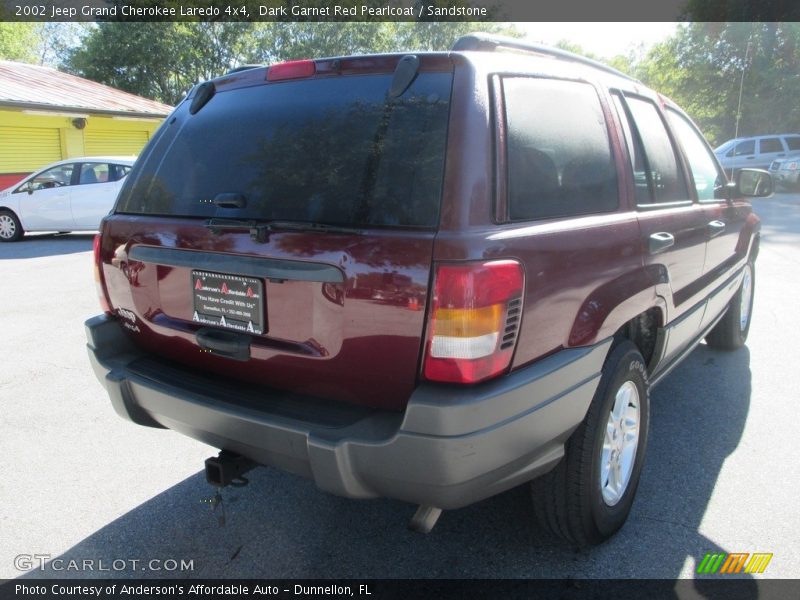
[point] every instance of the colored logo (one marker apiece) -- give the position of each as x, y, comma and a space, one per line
719, 563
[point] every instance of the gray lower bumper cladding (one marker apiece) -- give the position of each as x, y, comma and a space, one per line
451, 447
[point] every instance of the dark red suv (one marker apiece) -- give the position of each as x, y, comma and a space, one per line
430, 277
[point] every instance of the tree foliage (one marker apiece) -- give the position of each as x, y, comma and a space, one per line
160, 60
163, 60
19, 41
703, 66
741, 10
39, 43
288, 41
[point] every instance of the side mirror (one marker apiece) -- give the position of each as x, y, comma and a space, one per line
25, 187
753, 183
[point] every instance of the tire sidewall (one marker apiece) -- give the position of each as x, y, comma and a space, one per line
630, 366
18, 231
738, 305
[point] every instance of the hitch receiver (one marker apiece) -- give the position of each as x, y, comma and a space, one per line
227, 469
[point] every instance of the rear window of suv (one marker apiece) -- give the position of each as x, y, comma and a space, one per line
330, 150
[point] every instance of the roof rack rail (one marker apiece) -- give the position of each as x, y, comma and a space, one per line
242, 68
486, 42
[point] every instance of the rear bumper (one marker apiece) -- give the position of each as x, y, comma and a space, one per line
451, 447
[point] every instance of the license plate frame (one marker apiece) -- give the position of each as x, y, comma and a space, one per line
227, 301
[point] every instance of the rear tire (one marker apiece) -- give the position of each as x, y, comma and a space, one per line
730, 333
10, 227
589, 495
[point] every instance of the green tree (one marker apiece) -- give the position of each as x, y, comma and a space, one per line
19, 41
741, 10
433, 35
40, 43
163, 60
160, 60
294, 40
703, 66
57, 40
288, 41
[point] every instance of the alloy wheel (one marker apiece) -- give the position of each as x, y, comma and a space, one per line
620, 444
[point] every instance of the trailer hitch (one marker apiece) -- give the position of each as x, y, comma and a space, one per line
228, 469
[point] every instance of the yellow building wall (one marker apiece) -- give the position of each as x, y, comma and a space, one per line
27, 142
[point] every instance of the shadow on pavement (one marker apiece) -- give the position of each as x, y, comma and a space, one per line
281, 526
46, 244
698, 416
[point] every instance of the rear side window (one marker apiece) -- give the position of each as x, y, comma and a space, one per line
93, 173
558, 153
119, 171
770, 145
663, 175
793, 142
330, 150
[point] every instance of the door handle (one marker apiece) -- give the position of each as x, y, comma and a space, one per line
715, 228
661, 241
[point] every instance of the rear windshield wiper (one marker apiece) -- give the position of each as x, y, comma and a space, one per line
260, 230
219, 224
310, 226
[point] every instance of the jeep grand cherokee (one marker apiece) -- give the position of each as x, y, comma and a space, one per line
429, 277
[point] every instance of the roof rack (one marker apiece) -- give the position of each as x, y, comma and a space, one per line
486, 42
242, 68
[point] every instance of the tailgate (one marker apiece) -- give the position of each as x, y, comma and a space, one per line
326, 193
344, 321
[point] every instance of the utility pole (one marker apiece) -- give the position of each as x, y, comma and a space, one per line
741, 86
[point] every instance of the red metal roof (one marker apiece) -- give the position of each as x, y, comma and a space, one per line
43, 88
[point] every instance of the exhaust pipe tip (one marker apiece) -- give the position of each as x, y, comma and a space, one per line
424, 519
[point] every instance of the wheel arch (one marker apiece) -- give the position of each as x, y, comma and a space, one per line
755, 246
611, 308
645, 330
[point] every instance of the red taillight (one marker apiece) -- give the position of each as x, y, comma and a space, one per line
98, 276
474, 319
294, 69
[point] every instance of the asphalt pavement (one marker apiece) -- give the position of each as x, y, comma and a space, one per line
80, 484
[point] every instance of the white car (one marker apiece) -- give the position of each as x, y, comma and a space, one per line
756, 152
69, 195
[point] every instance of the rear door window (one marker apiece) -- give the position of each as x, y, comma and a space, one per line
558, 153
793, 142
768, 145
119, 171
330, 150
636, 152
93, 173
